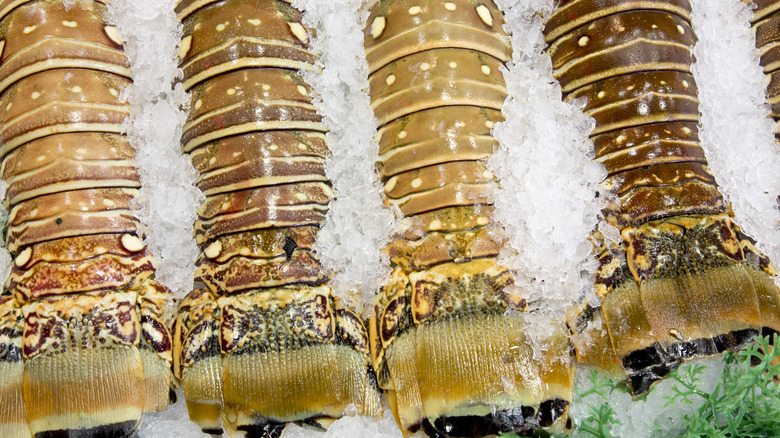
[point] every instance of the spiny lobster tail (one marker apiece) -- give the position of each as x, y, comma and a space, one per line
765, 26
84, 348
448, 336
684, 282
264, 342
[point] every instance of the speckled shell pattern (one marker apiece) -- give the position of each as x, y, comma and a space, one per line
263, 334
679, 285
766, 26
84, 347
447, 335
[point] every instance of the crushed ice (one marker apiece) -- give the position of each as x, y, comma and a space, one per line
357, 225
736, 132
546, 204
167, 201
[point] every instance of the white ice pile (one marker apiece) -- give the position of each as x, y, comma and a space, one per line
546, 203
357, 225
171, 423
351, 426
5, 256
168, 199
648, 418
736, 133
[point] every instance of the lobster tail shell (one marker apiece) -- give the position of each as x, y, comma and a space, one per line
448, 338
264, 342
680, 285
83, 320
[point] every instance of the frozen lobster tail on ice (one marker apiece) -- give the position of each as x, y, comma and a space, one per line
765, 22
685, 282
84, 348
448, 335
263, 342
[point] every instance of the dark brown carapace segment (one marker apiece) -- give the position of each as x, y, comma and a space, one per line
448, 336
262, 342
84, 347
685, 282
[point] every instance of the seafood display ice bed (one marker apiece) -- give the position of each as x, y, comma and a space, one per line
528, 140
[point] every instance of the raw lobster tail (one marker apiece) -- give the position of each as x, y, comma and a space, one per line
684, 282
84, 348
765, 25
448, 336
264, 342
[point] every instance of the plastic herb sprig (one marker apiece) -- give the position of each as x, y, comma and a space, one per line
602, 416
745, 403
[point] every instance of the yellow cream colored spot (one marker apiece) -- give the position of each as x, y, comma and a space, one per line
266, 87
621, 139
298, 30
132, 243
435, 224
453, 64
67, 23
40, 158
213, 250
390, 184
301, 196
414, 10
425, 66
484, 15
489, 124
482, 220
655, 26
34, 212
35, 95
109, 203
114, 35
583, 41
254, 21
113, 92
601, 94
630, 87
390, 80
449, 6
681, 29
220, 27
685, 83
2, 46
686, 130
81, 151
417, 182
485, 69
402, 134
23, 257
487, 174
212, 160
198, 104
184, 46
273, 147
235, 154
8, 107
301, 146
29, 29
303, 90
231, 91
75, 89
377, 27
